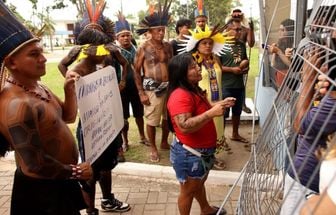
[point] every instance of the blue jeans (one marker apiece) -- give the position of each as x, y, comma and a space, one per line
187, 164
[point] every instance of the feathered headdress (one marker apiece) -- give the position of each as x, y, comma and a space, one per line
94, 11
238, 16
13, 36
200, 10
121, 25
220, 39
95, 27
94, 31
155, 19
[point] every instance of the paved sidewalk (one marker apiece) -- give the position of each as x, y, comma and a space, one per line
150, 189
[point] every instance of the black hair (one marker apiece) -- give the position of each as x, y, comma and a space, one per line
178, 68
98, 33
182, 22
289, 25
284, 42
237, 18
236, 10
178, 72
93, 37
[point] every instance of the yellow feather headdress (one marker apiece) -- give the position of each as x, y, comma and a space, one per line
221, 40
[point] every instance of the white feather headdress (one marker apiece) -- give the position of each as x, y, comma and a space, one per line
221, 40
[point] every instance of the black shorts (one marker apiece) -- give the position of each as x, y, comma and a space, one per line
239, 94
129, 96
108, 159
45, 196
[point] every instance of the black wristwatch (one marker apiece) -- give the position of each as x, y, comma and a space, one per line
307, 196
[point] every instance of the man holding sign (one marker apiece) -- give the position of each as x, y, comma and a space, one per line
33, 124
99, 104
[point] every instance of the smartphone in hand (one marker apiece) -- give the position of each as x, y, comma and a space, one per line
264, 46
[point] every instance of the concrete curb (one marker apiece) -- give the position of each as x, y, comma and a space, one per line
150, 171
216, 177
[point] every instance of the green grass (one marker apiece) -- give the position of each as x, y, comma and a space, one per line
54, 80
254, 71
138, 152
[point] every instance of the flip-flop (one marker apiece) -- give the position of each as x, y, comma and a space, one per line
121, 158
247, 109
222, 212
125, 147
220, 165
144, 142
154, 157
239, 139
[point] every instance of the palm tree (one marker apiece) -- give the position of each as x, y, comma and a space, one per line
46, 26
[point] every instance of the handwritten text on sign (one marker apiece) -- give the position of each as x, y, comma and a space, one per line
100, 110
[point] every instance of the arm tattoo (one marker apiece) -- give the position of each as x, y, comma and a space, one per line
186, 121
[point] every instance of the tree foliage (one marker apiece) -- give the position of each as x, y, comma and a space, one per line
80, 5
40, 23
217, 10
60, 4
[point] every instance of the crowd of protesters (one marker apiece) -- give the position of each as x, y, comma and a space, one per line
186, 86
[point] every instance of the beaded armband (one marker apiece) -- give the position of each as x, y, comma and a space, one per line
122, 83
76, 171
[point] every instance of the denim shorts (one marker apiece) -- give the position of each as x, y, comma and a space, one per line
187, 164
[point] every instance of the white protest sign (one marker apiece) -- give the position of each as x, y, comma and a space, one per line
100, 110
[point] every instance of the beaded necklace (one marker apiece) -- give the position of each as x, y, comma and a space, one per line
37, 95
236, 54
209, 66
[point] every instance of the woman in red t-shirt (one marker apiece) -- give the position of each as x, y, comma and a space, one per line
191, 118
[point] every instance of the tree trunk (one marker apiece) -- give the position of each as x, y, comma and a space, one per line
51, 44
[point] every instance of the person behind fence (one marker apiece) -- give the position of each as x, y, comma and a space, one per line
33, 123
95, 37
325, 202
313, 123
194, 144
129, 95
152, 59
282, 51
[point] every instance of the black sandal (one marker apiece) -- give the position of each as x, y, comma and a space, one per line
94, 212
222, 212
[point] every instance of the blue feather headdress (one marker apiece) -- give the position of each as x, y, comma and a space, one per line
200, 10
13, 36
155, 19
121, 25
